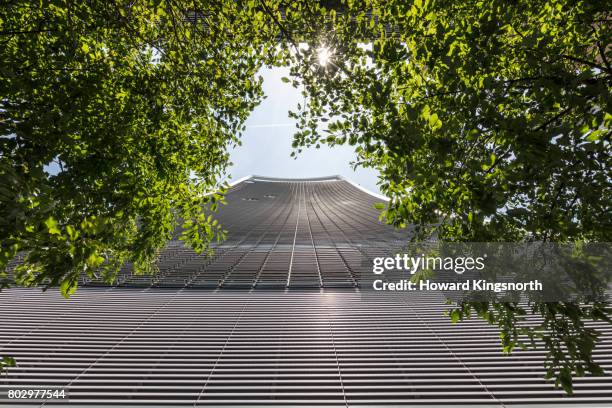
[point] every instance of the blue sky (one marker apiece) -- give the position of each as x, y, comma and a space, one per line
266, 143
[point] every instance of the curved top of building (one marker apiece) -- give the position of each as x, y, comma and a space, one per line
283, 233
255, 178
295, 180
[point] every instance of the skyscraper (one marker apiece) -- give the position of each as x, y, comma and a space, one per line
274, 317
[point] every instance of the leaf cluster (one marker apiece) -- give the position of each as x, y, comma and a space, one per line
115, 119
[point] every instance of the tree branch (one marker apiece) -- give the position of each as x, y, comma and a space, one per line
282, 28
553, 119
11, 32
585, 62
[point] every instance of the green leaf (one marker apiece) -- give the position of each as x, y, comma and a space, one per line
434, 121
95, 260
425, 112
68, 286
8, 361
52, 226
565, 379
594, 136
72, 232
455, 316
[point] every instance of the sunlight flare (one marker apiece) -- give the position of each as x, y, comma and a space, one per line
324, 55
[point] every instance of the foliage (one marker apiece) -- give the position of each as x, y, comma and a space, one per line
115, 118
6, 362
561, 331
488, 121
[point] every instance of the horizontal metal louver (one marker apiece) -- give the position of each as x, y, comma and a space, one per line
268, 348
274, 318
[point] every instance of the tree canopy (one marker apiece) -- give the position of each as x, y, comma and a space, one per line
488, 121
115, 118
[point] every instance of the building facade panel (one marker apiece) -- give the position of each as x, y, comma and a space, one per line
275, 317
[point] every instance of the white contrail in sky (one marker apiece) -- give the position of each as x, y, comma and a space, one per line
270, 125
